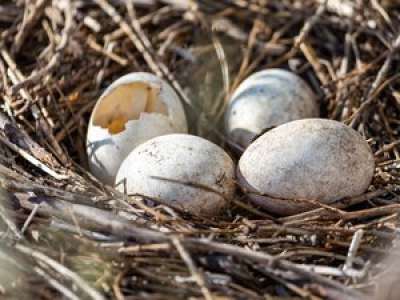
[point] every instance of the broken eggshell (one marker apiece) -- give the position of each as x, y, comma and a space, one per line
134, 109
311, 159
267, 99
182, 171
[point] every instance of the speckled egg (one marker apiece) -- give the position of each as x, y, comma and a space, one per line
182, 171
267, 99
311, 159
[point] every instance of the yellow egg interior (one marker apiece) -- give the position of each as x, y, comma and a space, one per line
126, 102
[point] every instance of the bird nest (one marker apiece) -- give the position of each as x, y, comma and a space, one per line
65, 235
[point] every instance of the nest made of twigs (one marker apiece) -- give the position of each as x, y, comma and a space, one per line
75, 238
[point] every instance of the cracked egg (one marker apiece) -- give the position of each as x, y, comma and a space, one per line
135, 108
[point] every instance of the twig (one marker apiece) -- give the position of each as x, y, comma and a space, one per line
198, 277
92, 293
91, 218
305, 30
30, 218
380, 78
311, 56
117, 290
118, 59
143, 45
55, 59
66, 292
33, 13
372, 212
265, 258
343, 203
100, 220
23, 141
16, 76
351, 254
9, 223
33, 160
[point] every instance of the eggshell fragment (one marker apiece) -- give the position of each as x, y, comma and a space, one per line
266, 99
182, 171
134, 109
311, 159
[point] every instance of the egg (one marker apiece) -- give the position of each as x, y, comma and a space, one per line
182, 171
132, 110
264, 100
311, 159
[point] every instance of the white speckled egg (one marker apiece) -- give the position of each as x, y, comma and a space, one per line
134, 109
201, 174
266, 99
311, 159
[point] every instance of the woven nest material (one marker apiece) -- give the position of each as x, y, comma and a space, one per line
64, 235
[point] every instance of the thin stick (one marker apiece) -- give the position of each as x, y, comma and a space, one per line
33, 160
140, 41
10, 223
66, 292
198, 277
30, 218
343, 203
380, 78
75, 278
116, 289
31, 18
305, 30
351, 254
55, 59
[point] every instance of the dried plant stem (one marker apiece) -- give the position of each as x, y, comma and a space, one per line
30, 19
198, 277
66, 292
62, 270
